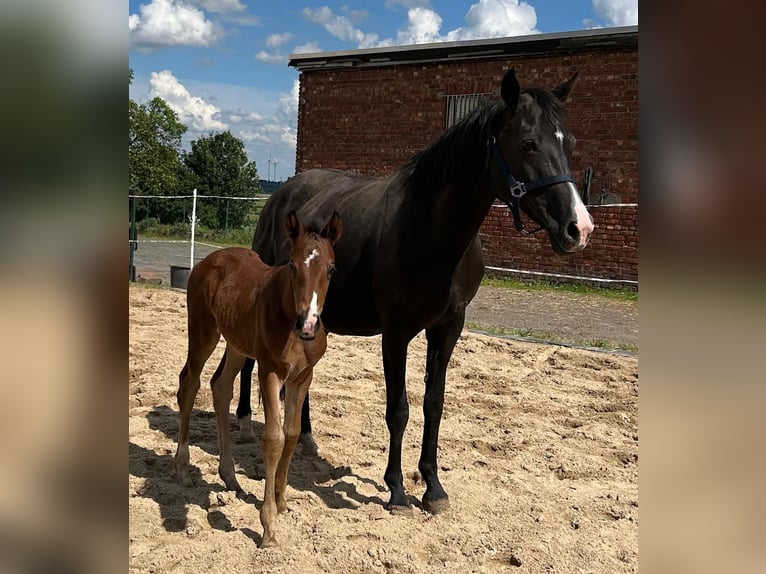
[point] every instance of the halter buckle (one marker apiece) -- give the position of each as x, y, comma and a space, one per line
518, 189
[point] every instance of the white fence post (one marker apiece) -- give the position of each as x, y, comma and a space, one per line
193, 225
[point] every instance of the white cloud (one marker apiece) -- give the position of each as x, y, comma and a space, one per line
220, 6
408, 3
339, 26
171, 23
309, 48
484, 19
277, 40
270, 57
193, 111
423, 27
496, 19
617, 12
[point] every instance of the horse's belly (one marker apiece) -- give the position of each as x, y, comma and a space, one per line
351, 313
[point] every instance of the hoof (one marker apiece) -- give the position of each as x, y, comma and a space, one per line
232, 484
246, 438
184, 478
308, 444
270, 542
436, 506
246, 434
398, 510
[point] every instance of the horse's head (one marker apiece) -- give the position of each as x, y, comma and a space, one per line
312, 263
530, 149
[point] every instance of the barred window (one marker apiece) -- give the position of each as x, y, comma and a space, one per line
460, 105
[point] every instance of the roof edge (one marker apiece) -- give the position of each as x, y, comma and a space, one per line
574, 41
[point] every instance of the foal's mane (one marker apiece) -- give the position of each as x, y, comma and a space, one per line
464, 144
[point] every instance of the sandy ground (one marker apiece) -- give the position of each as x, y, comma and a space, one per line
538, 452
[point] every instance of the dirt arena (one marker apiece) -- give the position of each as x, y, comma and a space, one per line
538, 452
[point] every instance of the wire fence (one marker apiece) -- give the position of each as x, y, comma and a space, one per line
157, 259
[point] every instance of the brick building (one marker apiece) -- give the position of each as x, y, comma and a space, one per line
369, 110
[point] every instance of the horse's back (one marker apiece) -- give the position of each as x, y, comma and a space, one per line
225, 274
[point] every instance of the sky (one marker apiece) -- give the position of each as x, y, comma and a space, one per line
222, 64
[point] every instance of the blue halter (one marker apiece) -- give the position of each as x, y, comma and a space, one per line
519, 189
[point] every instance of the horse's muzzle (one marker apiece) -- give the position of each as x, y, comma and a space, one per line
308, 326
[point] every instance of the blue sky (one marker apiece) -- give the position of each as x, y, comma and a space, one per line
222, 64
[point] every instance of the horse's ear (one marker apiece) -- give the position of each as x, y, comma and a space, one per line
561, 92
510, 90
334, 228
293, 226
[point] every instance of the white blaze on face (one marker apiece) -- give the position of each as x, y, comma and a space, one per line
313, 316
311, 256
559, 135
584, 221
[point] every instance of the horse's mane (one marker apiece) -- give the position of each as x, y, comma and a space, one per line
465, 143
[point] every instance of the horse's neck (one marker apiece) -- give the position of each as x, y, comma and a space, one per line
277, 287
452, 216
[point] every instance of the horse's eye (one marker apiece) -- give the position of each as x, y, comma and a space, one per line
331, 269
528, 145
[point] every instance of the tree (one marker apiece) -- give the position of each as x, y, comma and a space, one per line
220, 165
154, 156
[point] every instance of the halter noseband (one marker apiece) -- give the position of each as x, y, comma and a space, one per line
519, 189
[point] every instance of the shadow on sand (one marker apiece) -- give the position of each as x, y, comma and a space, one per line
308, 473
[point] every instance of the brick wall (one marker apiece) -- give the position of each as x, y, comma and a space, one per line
370, 120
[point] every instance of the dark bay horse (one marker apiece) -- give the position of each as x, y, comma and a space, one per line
411, 258
271, 314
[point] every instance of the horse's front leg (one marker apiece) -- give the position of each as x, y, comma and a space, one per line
441, 343
272, 443
397, 414
223, 385
295, 393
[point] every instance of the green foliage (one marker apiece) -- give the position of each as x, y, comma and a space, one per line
154, 157
219, 164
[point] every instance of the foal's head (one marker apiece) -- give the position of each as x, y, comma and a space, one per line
312, 263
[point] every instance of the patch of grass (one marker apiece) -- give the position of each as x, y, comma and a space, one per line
551, 337
239, 237
608, 292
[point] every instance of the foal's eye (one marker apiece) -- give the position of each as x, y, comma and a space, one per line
331, 269
528, 145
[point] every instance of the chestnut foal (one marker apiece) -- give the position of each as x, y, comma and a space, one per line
271, 314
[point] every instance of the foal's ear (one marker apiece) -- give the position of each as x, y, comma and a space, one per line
293, 226
510, 90
334, 228
561, 92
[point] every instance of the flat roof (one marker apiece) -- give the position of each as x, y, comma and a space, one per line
555, 43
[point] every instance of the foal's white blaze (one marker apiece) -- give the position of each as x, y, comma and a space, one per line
583, 220
311, 256
313, 316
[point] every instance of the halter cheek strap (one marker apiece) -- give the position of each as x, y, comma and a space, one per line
519, 189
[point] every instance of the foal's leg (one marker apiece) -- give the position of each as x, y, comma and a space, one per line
223, 384
203, 338
295, 393
441, 343
272, 442
244, 412
397, 413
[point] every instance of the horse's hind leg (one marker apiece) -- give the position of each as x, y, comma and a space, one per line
244, 412
441, 343
223, 386
202, 342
